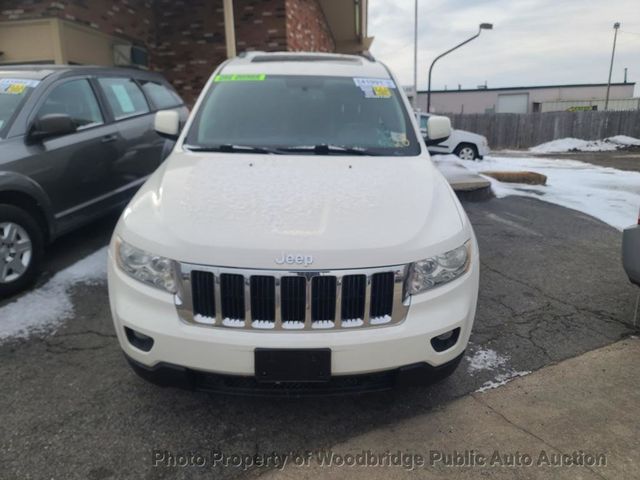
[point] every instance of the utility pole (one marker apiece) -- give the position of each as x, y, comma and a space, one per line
229, 28
415, 58
616, 26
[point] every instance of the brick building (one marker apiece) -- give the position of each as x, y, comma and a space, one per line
184, 39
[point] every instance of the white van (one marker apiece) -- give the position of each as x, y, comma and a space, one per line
297, 239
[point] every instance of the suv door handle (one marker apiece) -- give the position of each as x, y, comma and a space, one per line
109, 138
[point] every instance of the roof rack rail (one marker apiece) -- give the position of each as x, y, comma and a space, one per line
245, 53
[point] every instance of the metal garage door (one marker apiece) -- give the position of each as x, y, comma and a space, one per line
513, 103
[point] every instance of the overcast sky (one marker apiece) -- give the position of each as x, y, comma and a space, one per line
534, 42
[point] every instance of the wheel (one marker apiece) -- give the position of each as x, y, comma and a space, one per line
21, 245
466, 151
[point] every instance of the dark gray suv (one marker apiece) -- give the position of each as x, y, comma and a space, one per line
75, 143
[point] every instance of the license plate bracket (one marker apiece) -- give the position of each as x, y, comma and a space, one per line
292, 365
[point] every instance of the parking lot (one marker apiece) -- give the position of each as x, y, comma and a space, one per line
552, 288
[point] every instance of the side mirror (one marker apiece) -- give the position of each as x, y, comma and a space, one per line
438, 129
52, 125
167, 124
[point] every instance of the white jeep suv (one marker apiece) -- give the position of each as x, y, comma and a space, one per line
297, 239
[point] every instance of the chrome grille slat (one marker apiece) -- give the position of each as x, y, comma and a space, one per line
218, 297
277, 300
307, 308
367, 302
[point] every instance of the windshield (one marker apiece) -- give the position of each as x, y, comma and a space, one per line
306, 114
13, 92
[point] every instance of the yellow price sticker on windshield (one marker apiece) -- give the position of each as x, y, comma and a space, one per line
16, 88
381, 91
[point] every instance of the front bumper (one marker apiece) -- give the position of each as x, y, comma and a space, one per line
631, 253
231, 352
167, 375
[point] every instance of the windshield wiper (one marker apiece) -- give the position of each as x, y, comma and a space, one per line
230, 148
324, 149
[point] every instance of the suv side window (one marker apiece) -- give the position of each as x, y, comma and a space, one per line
161, 96
124, 96
76, 99
423, 122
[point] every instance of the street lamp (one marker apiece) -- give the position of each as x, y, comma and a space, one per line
616, 26
483, 26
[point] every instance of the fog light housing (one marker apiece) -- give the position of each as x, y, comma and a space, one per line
446, 340
139, 340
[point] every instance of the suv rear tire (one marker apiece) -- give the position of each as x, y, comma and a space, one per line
21, 246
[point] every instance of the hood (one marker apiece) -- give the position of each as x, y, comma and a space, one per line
470, 136
245, 210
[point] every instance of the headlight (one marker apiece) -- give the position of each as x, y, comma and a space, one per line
433, 272
145, 267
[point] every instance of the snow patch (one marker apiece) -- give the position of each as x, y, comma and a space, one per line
292, 325
607, 194
380, 320
204, 319
233, 322
322, 324
576, 144
485, 360
352, 323
263, 324
501, 380
45, 308
625, 140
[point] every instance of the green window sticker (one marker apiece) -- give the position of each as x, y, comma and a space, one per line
240, 77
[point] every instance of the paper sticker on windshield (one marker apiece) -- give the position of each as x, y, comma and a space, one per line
399, 139
240, 77
375, 87
13, 86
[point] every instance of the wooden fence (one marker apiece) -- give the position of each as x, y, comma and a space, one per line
515, 130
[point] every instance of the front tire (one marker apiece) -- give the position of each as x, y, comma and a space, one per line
467, 151
21, 249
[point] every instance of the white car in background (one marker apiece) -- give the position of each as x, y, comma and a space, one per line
466, 145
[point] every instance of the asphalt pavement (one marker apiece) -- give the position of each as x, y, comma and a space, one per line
552, 288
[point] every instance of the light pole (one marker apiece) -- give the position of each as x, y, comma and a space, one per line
616, 26
483, 26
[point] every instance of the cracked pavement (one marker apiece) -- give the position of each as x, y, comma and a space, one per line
552, 288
